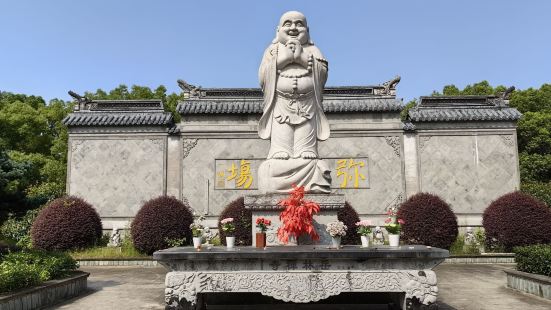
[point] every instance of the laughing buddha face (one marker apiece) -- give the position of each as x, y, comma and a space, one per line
292, 25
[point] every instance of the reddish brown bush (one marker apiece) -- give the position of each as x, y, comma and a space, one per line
243, 222
429, 220
66, 223
517, 219
349, 217
160, 219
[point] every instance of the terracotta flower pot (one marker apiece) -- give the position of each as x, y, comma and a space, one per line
260, 240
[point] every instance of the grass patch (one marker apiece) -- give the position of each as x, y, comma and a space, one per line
459, 247
107, 253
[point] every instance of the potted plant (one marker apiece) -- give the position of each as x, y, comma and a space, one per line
262, 224
197, 231
297, 217
229, 228
393, 226
364, 230
337, 230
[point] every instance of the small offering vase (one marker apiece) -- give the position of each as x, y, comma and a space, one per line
230, 242
336, 241
365, 241
393, 240
261, 240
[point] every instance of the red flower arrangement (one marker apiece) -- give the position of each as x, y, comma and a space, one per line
393, 224
262, 224
297, 217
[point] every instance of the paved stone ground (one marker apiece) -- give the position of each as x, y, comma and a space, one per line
469, 287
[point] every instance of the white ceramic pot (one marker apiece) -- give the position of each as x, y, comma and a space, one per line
365, 241
336, 242
196, 242
393, 240
230, 242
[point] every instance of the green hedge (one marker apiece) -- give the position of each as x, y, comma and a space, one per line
18, 228
28, 268
534, 259
541, 191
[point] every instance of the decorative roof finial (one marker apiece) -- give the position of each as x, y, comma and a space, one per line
81, 100
189, 90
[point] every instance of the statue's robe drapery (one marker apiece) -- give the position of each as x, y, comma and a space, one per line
276, 175
268, 79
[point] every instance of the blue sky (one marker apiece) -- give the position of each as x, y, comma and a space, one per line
50, 47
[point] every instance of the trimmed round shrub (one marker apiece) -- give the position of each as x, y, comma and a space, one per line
66, 223
517, 219
349, 217
160, 220
243, 222
429, 220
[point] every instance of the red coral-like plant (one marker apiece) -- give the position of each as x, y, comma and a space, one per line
297, 217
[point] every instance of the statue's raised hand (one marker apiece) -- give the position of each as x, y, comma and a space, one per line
295, 46
285, 56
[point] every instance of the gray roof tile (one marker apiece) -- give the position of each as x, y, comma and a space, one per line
119, 113
117, 119
330, 105
463, 108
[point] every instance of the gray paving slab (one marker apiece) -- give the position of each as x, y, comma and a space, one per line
469, 287
482, 287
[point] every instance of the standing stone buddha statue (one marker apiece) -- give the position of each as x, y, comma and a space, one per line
292, 75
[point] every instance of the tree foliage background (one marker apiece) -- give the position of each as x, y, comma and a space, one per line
33, 142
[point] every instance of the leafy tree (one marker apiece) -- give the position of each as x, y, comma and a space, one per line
407, 107
34, 150
121, 92
12, 174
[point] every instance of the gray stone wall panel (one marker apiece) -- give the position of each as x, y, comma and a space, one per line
468, 171
117, 175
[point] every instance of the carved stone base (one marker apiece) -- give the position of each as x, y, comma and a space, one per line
301, 274
184, 288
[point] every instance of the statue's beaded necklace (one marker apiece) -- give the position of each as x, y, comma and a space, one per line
295, 77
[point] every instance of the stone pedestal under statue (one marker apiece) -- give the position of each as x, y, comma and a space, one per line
266, 206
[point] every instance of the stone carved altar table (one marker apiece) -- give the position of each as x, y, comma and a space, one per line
301, 274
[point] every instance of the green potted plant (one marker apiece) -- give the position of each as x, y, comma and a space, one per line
364, 230
229, 228
393, 226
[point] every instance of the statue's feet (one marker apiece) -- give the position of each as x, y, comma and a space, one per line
308, 155
281, 155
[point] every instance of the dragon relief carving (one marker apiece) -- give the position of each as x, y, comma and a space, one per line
507, 139
301, 287
394, 142
188, 145
423, 140
158, 142
75, 144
